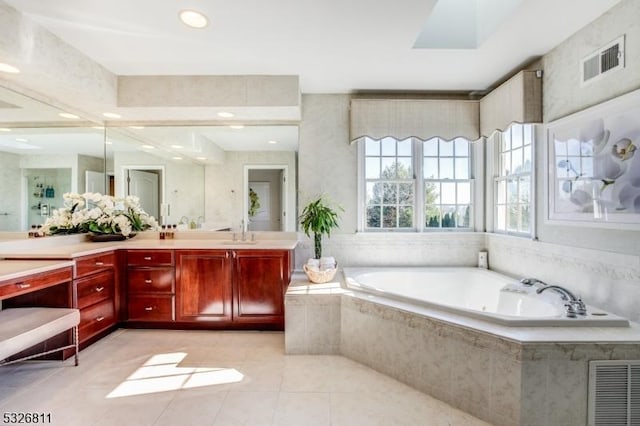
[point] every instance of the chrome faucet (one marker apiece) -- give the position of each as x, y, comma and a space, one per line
574, 304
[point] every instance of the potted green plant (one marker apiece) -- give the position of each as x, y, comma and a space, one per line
319, 218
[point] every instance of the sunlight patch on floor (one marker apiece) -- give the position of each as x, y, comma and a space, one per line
161, 373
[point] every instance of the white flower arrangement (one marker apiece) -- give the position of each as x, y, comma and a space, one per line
99, 214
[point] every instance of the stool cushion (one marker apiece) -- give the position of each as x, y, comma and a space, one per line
21, 328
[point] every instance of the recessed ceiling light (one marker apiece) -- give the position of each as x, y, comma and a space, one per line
273, 142
201, 158
148, 146
9, 68
22, 140
108, 143
193, 19
111, 115
68, 115
136, 127
97, 127
225, 114
237, 126
177, 158
4, 129
176, 146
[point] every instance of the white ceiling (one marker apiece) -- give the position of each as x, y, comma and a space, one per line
335, 46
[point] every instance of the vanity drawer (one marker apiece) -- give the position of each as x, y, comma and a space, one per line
149, 257
151, 308
95, 288
88, 265
96, 318
156, 280
27, 284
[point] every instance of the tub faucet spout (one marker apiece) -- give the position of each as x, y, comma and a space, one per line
574, 304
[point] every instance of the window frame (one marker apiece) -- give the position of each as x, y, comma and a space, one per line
496, 178
418, 188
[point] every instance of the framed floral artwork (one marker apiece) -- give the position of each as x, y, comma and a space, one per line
593, 159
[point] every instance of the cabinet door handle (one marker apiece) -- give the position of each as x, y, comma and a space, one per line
99, 319
148, 281
147, 258
99, 263
99, 289
149, 308
23, 285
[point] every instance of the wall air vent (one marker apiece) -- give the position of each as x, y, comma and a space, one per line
614, 393
604, 60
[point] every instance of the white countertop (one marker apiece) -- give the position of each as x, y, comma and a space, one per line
45, 248
11, 269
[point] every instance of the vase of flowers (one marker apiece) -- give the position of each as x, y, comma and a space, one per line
103, 217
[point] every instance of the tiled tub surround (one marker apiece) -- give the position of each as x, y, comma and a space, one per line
504, 375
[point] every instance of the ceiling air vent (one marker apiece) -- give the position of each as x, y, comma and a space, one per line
604, 60
614, 393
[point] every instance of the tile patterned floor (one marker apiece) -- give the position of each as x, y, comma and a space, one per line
162, 377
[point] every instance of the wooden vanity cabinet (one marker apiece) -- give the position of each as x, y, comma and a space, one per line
150, 286
260, 282
204, 288
96, 292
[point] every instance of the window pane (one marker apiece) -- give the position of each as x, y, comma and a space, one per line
372, 168
462, 147
560, 148
516, 135
573, 166
516, 160
528, 134
448, 193
431, 193
373, 217
388, 168
374, 193
505, 164
524, 215
464, 217
446, 168
388, 146
506, 140
430, 148
512, 191
448, 216
462, 168
372, 147
464, 193
404, 147
432, 217
404, 168
526, 167
405, 218
446, 148
587, 167
430, 168
525, 189
405, 193
389, 216
389, 193
512, 217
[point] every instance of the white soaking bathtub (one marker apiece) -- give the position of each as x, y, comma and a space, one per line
473, 292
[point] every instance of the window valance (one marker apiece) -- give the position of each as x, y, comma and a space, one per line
423, 119
518, 100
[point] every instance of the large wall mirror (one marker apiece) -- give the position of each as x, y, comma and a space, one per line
196, 177
44, 152
208, 177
